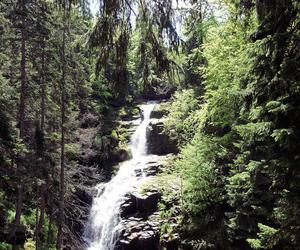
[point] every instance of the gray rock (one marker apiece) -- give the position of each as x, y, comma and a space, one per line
158, 114
159, 143
147, 203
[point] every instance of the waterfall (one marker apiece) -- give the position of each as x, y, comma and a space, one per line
102, 229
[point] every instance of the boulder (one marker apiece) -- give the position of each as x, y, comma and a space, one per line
147, 203
160, 110
140, 218
158, 114
123, 155
152, 169
158, 91
137, 233
128, 207
159, 143
140, 203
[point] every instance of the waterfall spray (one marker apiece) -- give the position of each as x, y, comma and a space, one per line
102, 229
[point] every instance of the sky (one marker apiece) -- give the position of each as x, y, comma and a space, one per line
94, 4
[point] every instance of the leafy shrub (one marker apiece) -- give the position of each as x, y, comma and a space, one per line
5, 246
72, 150
266, 238
197, 169
182, 116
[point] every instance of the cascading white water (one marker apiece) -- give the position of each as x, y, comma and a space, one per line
101, 231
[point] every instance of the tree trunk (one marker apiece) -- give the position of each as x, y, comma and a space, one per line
43, 88
50, 228
40, 219
62, 142
21, 117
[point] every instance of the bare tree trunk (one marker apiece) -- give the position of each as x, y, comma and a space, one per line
36, 215
43, 89
21, 118
59, 243
41, 197
40, 216
50, 228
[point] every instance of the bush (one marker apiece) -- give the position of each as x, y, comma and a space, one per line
182, 116
197, 169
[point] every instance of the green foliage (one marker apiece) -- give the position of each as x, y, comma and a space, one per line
236, 116
72, 150
227, 56
197, 168
182, 116
30, 245
245, 137
254, 131
266, 238
30, 143
5, 246
153, 66
198, 244
100, 95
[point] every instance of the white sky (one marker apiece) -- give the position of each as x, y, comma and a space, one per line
94, 4
219, 13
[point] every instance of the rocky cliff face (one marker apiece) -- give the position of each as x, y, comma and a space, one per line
141, 224
141, 220
159, 143
100, 144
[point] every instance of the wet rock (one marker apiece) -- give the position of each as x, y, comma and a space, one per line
148, 170
123, 155
152, 169
148, 202
141, 220
138, 172
154, 165
128, 207
140, 203
98, 190
138, 235
158, 114
148, 240
160, 110
158, 91
159, 143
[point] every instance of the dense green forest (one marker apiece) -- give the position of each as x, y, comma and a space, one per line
230, 72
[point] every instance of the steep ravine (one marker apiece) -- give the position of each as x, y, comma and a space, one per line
125, 213
141, 221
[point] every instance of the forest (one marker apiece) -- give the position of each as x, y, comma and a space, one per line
149, 124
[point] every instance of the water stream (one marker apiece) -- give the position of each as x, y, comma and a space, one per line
102, 229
